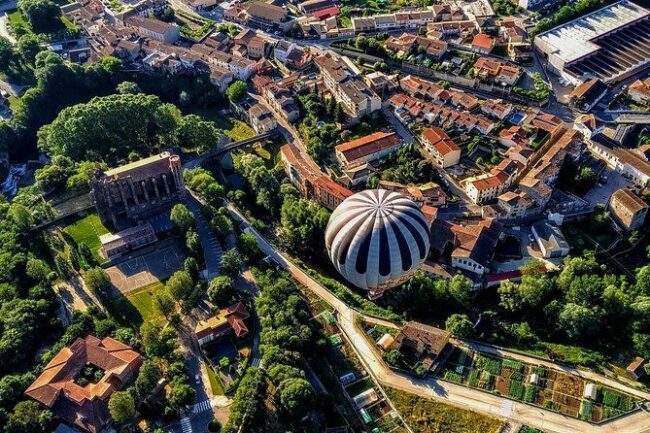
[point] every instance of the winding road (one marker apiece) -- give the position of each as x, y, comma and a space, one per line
457, 395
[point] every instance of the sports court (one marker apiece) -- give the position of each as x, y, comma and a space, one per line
145, 269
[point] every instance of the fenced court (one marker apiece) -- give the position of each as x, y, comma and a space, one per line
146, 269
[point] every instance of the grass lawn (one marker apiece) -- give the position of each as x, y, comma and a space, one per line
215, 382
240, 131
16, 20
88, 230
428, 416
137, 306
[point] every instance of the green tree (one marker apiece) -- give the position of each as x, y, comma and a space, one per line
580, 321
28, 416
168, 120
236, 91
221, 291
37, 269
231, 263
193, 243
182, 218
247, 245
198, 134
128, 87
459, 326
21, 216
28, 47
163, 302
192, 268
98, 281
296, 397
180, 285
148, 376
7, 54
181, 395
44, 16
86, 254
121, 406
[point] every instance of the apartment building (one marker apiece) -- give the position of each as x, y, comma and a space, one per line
367, 149
444, 151
347, 86
281, 100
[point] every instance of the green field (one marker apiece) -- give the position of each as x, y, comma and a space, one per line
137, 306
88, 230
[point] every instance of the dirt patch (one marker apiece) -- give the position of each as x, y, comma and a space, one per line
74, 295
502, 385
569, 385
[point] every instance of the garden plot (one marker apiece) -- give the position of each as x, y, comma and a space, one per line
551, 389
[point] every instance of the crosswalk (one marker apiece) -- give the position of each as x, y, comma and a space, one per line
186, 426
201, 407
506, 408
256, 362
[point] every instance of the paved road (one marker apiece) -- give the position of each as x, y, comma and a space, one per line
211, 246
458, 395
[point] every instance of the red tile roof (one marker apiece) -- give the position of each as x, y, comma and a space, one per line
85, 407
483, 40
368, 145
439, 140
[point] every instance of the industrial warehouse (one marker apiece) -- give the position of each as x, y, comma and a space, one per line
611, 44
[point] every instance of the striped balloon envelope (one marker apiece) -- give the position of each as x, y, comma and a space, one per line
376, 239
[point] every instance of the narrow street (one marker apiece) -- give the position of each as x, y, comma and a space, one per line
211, 246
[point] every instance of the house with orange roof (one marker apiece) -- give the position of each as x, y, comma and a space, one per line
306, 176
227, 321
491, 185
483, 43
513, 136
67, 387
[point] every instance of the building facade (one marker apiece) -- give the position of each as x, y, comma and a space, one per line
137, 189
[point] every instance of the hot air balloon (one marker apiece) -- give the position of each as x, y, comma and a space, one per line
377, 239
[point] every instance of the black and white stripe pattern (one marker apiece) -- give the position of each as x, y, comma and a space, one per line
377, 238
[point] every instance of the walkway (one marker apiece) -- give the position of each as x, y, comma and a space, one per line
457, 395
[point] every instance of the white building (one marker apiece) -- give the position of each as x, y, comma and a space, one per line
550, 240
